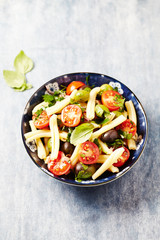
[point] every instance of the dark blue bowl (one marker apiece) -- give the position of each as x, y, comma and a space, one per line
97, 80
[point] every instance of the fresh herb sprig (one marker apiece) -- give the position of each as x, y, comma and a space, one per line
17, 79
52, 99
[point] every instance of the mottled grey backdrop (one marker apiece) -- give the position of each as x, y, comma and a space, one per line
117, 38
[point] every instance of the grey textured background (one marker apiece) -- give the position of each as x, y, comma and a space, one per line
117, 38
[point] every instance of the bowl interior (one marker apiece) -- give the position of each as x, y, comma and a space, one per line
96, 80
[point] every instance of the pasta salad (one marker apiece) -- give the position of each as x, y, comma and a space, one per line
83, 130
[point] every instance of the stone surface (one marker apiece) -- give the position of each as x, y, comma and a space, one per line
116, 38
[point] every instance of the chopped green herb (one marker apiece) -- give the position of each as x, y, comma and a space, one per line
63, 87
115, 89
52, 99
117, 143
87, 80
82, 155
119, 101
125, 134
70, 130
38, 113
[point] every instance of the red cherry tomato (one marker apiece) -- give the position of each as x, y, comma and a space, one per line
41, 121
88, 153
109, 99
121, 161
60, 165
128, 127
71, 115
74, 85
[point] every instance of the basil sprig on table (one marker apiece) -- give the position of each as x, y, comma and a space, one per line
81, 133
17, 79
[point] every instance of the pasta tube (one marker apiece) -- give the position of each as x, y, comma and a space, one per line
74, 157
108, 163
104, 147
90, 111
113, 169
107, 127
131, 144
41, 152
44, 133
132, 116
131, 111
46, 145
60, 105
111, 117
124, 113
103, 158
39, 106
55, 137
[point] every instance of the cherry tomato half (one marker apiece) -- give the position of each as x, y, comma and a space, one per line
41, 121
60, 165
71, 115
109, 100
74, 85
128, 127
88, 153
121, 161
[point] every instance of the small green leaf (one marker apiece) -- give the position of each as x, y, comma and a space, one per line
28, 86
81, 133
82, 155
23, 63
14, 79
83, 175
21, 89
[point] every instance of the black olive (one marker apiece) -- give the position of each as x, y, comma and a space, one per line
109, 136
78, 168
87, 171
67, 148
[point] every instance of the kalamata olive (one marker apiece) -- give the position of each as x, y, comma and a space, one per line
109, 136
67, 148
78, 168
83, 171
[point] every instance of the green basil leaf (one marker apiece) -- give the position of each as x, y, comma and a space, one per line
81, 133
21, 89
22, 63
14, 79
83, 175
